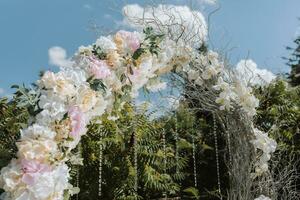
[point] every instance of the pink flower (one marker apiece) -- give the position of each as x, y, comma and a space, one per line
78, 121
32, 169
99, 68
131, 39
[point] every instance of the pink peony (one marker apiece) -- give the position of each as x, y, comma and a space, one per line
99, 68
32, 169
78, 121
131, 39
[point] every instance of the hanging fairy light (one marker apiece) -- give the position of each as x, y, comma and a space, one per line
78, 170
100, 165
164, 154
194, 162
135, 164
217, 153
176, 144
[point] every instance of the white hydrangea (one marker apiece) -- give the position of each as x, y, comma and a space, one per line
106, 44
59, 84
37, 131
53, 108
47, 185
40, 150
10, 177
86, 98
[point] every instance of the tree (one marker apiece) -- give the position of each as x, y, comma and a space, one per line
279, 115
294, 63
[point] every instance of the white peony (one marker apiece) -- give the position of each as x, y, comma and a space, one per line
106, 44
53, 108
41, 150
11, 176
36, 131
86, 98
48, 185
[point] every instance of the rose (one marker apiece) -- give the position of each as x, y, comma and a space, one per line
32, 170
99, 68
78, 121
86, 98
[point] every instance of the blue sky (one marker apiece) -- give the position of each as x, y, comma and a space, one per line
258, 29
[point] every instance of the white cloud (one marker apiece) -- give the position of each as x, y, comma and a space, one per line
87, 6
248, 72
176, 21
2, 91
210, 2
107, 16
58, 57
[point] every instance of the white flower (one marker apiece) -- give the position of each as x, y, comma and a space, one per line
225, 95
37, 131
210, 72
86, 98
85, 50
48, 185
59, 84
199, 81
53, 108
193, 74
267, 146
245, 98
99, 107
263, 142
141, 75
106, 44
41, 150
113, 118
262, 197
11, 176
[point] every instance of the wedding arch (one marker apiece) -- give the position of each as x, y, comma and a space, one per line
102, 77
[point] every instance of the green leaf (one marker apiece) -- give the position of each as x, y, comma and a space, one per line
97, 85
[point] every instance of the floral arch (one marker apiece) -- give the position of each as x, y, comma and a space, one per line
102, 77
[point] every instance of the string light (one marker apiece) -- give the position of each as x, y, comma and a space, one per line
217, 153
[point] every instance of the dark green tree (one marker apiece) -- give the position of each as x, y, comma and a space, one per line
294, 63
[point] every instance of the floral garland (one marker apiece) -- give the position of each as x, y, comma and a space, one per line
100, 79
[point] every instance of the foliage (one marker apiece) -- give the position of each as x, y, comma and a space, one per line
294, 63
150, 44
279, 114
162, 170
12, 118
